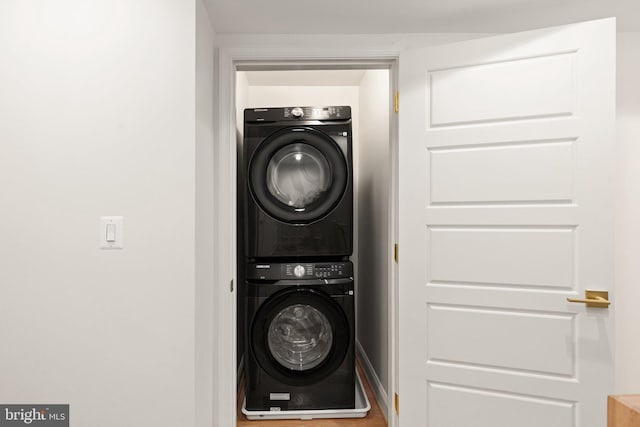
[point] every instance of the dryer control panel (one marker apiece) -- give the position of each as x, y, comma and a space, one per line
297, 113
301, 270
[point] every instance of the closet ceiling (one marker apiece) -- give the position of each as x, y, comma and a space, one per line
412, 16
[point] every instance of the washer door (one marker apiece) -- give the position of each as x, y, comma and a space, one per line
298, 175
300, 336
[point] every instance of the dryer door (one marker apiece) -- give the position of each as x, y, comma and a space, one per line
300, 336
298, 175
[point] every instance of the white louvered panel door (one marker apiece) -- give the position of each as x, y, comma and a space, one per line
506, 209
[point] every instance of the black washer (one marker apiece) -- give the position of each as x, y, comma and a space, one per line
300, 337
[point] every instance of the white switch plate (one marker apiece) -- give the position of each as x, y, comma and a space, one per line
112, 221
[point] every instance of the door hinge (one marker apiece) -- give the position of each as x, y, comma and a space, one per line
395, 252
397, 403
396, 102
231, 285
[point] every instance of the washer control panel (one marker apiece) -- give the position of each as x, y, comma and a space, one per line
329, 270
302, 270
316, 113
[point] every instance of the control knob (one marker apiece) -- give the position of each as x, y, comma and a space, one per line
299, 271
297, 112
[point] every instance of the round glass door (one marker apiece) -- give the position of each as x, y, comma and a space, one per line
298, 175
300, 337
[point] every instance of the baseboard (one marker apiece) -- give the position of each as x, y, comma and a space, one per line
376, 385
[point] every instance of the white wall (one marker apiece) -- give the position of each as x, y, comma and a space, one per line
97, 101
374, 185
204, 216
242, 100
627, 295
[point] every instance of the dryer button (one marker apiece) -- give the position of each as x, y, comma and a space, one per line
299, 271
297, 112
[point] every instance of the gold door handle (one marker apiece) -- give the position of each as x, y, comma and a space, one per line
598, 299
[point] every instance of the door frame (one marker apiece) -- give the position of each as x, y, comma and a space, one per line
232, 59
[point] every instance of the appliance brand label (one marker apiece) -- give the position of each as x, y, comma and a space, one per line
263, 266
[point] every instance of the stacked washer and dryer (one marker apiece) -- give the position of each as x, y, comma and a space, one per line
298, 237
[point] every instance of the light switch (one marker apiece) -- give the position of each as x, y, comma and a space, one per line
111, 232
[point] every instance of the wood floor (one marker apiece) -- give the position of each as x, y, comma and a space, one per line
373, 419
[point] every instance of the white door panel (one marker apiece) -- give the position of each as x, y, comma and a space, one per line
506, 209
503, 173
461, 255
550, 93
538, 341
488, 407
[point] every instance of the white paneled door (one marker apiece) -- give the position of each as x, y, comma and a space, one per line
506, 210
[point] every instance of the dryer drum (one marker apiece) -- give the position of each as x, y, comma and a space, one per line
298, 175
